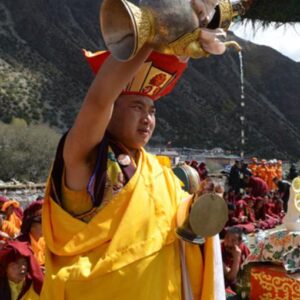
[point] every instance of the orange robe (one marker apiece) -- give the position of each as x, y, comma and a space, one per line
12, 226
253, 168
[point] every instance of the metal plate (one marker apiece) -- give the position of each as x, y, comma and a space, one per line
208, 215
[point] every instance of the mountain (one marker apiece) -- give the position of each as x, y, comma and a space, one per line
44, 77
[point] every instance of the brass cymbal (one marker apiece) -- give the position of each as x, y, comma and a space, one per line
208, 215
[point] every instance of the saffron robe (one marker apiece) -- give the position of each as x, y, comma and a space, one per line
129, 249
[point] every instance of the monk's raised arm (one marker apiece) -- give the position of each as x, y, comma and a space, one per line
94, 115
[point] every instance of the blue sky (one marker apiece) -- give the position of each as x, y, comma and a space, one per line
285, 39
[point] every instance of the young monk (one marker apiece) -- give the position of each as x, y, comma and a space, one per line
20, 274
245, 214
234, 252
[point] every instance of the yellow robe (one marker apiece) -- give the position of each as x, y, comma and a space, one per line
129, 249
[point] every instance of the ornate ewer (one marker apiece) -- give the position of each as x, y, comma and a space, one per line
169, 26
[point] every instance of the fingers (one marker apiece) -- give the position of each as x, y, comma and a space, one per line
210, 42
205, 9
200, 9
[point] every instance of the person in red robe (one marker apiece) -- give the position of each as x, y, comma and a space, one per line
256, 186
262, 208
31, 230
278, 207
234, 252
245, 216
272, 218
202, 171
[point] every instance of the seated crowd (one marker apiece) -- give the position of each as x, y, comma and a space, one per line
257, 198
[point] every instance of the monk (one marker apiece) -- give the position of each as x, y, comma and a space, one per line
11, 223
244, 213
20, 274
109, 215
255, 186
262, 170
234, 253
31, 230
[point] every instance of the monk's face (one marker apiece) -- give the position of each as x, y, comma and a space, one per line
17, 270
133, 120
231, 240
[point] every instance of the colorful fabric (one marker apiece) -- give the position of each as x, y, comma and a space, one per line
291, 260
128, 250
271, 282
156, 78
276, 247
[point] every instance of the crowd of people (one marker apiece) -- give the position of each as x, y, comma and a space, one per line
200, 167
22, 249
257, 196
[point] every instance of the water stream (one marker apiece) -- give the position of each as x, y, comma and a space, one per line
242, 103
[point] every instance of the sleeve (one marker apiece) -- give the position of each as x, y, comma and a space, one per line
77, 203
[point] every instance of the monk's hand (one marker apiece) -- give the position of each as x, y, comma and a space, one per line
205, 10
209, 185
211, 40
236, 251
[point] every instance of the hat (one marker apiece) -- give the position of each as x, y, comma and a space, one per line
3, 199
14, 249
9, 203
156, 77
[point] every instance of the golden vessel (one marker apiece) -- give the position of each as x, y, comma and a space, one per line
169, 26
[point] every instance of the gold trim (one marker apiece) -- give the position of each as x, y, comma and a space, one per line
226, 14
144, 25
